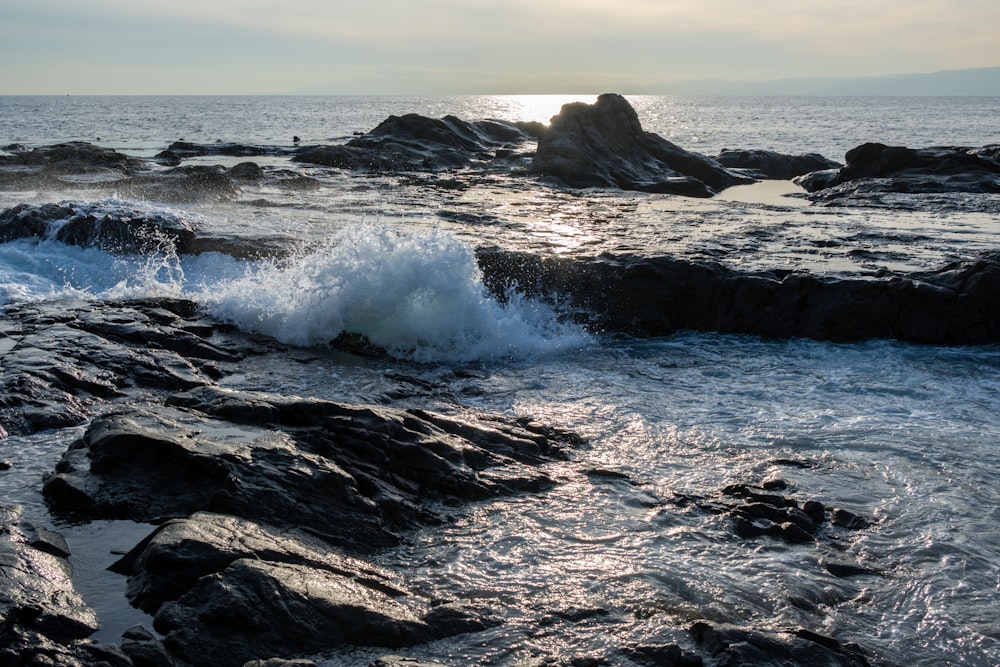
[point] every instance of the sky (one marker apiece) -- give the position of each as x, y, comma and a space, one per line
474, 47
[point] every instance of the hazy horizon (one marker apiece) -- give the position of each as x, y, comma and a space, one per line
443, 47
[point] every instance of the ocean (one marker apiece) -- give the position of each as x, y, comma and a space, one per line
905, 435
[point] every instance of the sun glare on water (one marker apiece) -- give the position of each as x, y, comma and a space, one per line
540, 108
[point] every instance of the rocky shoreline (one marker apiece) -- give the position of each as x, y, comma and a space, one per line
265, 509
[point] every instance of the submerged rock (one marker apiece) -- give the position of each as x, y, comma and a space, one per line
732, 645
877, 168
603, 145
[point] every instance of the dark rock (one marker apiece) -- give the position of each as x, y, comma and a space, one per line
316, 464
401, 661
67, 356
281, 583
662, 655
75, 157
171, 560
194, 183
185, 149
312, 463
649, 296
38, 605
256, 608
603, 145
844, 570
144, 649
764, 164
416, 143
115, 227
847, 519
875, 167
731, 645
246, 171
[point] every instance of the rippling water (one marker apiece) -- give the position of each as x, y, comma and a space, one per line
904, 435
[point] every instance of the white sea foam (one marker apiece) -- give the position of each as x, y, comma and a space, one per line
418, 295
32, 270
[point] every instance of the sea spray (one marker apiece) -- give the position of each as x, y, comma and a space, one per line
33, 270
419, 295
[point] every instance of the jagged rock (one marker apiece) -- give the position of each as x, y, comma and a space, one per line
40, 611
416, 143
262, 574
764, 164
957, 304
877, 168
254, 609
604, 145
171, 560
365, 470
64, 357
114, 226
75, 157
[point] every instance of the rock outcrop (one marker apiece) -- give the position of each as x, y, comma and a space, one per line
358, 475
764, 164
43, 620
228, 590
877, 168
603, 145
416, 143
260, 497
648, 296
117, 227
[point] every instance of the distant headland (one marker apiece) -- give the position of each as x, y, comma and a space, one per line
983, 81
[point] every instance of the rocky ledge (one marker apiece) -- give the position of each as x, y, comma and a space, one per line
265, 504
958, 304
874, 169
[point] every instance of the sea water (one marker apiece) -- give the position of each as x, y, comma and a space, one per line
904, 435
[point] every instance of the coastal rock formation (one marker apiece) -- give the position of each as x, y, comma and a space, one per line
603, 145
61, 359
267, 492
648, 296
764, 164
877, 168
75, 157
416, 143
316, 464
235, 590
117, 227
182, 150
42, 617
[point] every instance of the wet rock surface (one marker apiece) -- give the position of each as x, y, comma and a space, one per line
873, 169
265, 494
603, 145
41, 614
416, 143
119, 228
648, 296
771, 165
